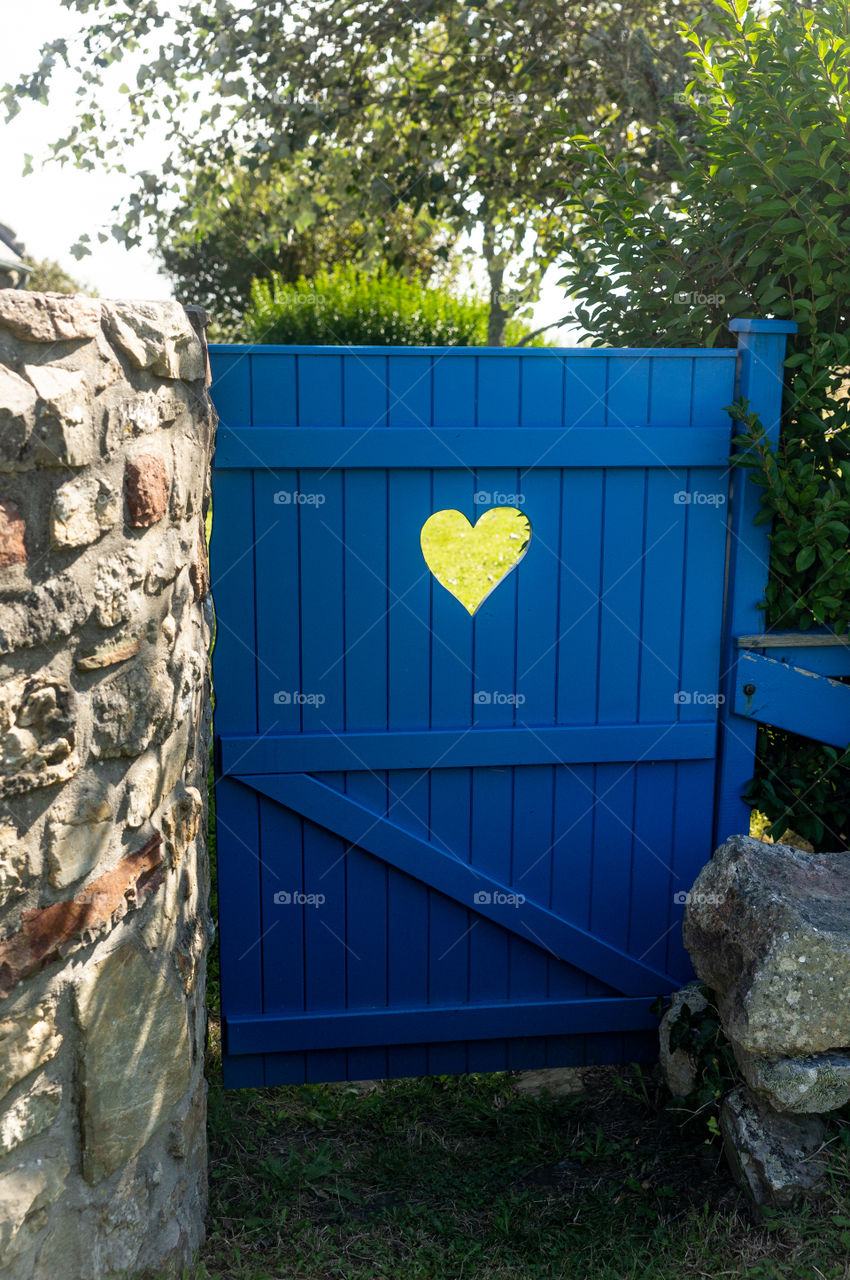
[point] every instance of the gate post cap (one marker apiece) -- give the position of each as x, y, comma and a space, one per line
760, 325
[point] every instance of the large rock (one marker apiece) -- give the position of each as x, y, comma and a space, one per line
774, 1158
121, 1108
27, 1041
768, 929
800, 1085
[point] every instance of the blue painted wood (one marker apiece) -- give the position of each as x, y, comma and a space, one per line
578, 789
460, 446
405, 1026
791, 698
761, 354
832, 659
566, 744
428, 864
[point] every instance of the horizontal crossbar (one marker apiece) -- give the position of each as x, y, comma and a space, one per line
340, 447
819, 651
466, 748
793, 699
356, 1028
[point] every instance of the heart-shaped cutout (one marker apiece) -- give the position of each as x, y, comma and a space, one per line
471, 560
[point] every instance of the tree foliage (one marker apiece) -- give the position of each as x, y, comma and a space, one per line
444, 109
754, 219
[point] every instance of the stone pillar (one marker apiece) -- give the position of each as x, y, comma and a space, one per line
106, 431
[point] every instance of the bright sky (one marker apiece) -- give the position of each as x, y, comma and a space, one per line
52, 206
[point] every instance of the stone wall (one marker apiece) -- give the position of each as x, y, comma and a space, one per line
105, 436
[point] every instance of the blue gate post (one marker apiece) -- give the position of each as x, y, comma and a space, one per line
761, 355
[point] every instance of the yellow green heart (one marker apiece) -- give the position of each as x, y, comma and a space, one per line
471, 560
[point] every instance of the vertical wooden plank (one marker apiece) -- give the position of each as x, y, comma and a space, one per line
277, 517
409, 699
366, 621
628, 391
451, 707
454, 391
713, 390
761, 354
585, 380
231, 387
670, 391
498, 391
365, 392
238, 875
320, 390
273, 390
622, 576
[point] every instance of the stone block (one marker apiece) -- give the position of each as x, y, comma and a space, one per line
47, 612
25, 1193
116, 650
12, 529
27, 1040
146, 488
38, 744
800, 1085
73, 851
180, 824
678, 1067
132, 711
15, 869
156, 336
768, 929
17, 418
82, 510
52, 933
143, 789
116, 579
30, 1114
64, 435
49, 317
130, 1018
774, 1158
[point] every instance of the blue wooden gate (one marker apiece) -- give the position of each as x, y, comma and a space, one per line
451, 843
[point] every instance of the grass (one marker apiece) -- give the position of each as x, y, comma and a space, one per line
464, 1177
470, 561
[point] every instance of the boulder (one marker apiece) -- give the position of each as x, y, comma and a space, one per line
768, 929
774, 1158
800, 1085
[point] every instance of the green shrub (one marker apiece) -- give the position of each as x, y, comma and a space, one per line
350, 307
753, 219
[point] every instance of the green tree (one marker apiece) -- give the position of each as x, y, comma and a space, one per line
47, 276
215, 243
754, 219
445, 109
